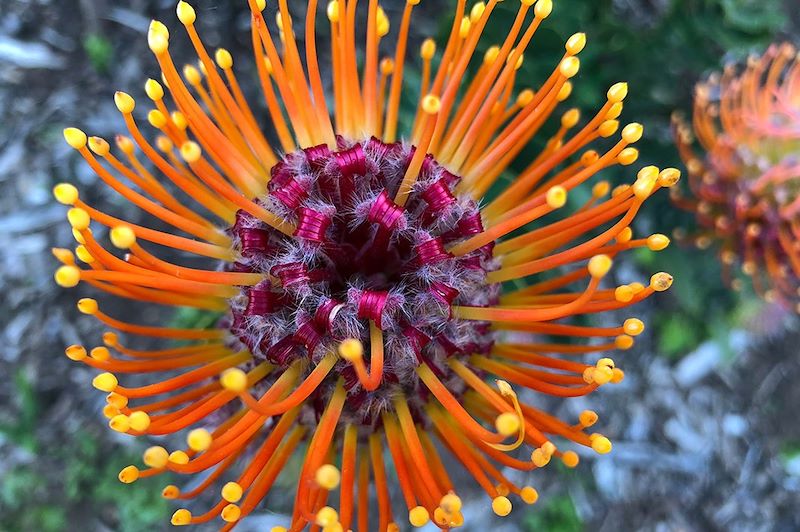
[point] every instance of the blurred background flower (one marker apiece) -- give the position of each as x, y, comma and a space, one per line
705, 444
744, 184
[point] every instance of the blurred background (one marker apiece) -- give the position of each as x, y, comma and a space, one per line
704, 427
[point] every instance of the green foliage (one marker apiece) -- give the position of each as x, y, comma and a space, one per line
99, 50
186, 317
50, 486
20, 429
555, 515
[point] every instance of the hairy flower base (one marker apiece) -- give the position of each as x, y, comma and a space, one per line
361, 267
364, 323
744, 188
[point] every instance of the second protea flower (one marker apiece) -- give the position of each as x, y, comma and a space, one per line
746, 186
369, 290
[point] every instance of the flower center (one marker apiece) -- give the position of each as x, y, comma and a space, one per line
361, 267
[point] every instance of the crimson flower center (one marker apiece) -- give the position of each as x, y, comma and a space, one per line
361, 266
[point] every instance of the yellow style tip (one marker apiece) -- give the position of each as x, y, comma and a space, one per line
186, 13
556, 197
328, 477
181, 517
122, 237
617, 92
75, 352
418, 516
88, 306
199, 440
661, 281
232, 492
153, 89
431, 104
105, 382
234, 380
75, 137
327, 516
191, 152
124, 102
231, 513
156, 457
139, 421
351, 349
529, 495
501, 505
129, 475
507, 423
223, 58
67, 276
599, 265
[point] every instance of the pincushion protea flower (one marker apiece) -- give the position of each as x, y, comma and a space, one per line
359, 279
744, 188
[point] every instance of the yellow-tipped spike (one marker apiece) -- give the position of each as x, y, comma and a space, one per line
576, 43
588, 418
543, 9
76, 352
179, 457
181, 517
67, 276
87, 306
129, 475
599, 265
78, 218
234, 380
232, 492
153, 89
351, 349
327, 516
75, 137
231, 513
431, 104
600, 444
124, 102
632, 132
171, 492
139, 421
661, 281
428, 49
451, 503
328, 477
569, 66
617, 92
529, 495
156, 457
223, 58
105, 382
65, 194
186, 13
501, 505
191, 152
628, 156
122, 237
418, 516
570, 459
120, 423
556, 197
507, 423
657, 242
633, 326
199, 440
100, 353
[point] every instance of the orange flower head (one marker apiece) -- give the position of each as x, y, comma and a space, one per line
377, 304
744, 187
